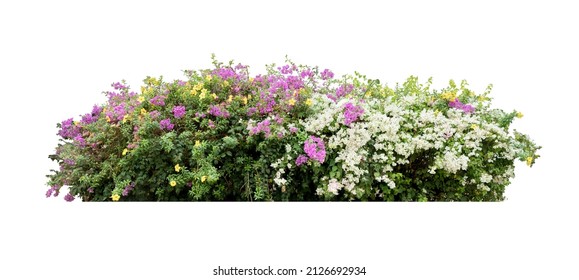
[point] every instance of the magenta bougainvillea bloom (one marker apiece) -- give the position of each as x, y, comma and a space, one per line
352, 113
158, 100
69, 197
179, 111
315, 149
341, 92
459, 105
217, 111
301, 160
154, 114
128, 189
262, 126
326, 74
166, 124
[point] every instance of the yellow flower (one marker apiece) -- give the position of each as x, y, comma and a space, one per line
249, 96
198, 86
143, 111
292, 102
244, 100
225, 83
519, 115
251, 80
108, 119
214, 95
309, 102
450, 96
203, 92
141, 99
75, 122
115, 197
126, 118
208, 77
203, 178
125, 151
529, 161
474, 126
143, 89
197, 143
193, 92
368, 94
173, 183
230, 98
177, 168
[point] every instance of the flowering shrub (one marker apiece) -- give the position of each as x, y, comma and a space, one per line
295, 133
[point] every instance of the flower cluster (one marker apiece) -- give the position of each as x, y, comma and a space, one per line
315, 149
293, 133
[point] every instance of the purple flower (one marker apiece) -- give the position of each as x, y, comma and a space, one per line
306, 73
225, 73
301, 160
128, 189
280, 135
266, 103
327, 74
90, 190
352, 113
210, 124
293, 129
251, 111
118, 86
154, 114
278, 119
200, 115
218, 112
69, 161
80, 141
285, 69
341, 92
52, 190
158, 100
166, 124
179, 111
68, 130
181, 83
93, 116
262, 126
315, 148
468, 109
459, 105
69, 197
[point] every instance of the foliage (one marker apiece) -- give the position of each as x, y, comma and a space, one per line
295, 133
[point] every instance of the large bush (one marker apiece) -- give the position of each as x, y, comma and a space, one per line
295, 133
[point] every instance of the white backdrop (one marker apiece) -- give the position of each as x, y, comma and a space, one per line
56, 57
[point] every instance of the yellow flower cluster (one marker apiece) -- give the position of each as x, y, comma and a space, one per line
115, 197
519, 115
177, 168
173, 183
529, 161
449, 95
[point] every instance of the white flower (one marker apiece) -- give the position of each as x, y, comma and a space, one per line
485, 178
334, 186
